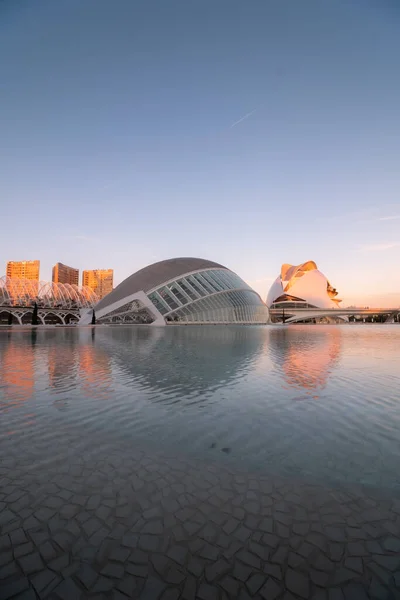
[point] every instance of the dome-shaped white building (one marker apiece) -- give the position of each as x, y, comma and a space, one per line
302, 286
184, 290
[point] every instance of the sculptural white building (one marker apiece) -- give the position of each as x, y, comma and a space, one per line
302, 286
184, 290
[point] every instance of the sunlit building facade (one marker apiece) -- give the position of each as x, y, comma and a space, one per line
23, 279
99, 280
23, 269
181, 290
302, 286
63, 274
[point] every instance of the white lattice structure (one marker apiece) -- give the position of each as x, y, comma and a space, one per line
57, 302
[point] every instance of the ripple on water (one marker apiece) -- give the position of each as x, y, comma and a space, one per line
320, 402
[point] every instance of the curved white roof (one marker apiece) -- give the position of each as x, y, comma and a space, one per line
303, 283
181, 290
154, 275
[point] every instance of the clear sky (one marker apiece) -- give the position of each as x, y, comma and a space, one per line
251, 132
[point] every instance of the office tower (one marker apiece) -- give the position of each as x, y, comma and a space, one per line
24, 285
63, 274
99, 280
23, 269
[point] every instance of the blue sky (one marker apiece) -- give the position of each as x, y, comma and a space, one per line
249, 132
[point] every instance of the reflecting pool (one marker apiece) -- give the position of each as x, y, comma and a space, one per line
316, 402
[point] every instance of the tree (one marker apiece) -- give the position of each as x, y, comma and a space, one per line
93, 318
35, 315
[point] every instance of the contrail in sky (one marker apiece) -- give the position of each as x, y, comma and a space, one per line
380, 247
243, 118
393, 218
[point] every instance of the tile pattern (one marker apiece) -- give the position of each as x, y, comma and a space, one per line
121, 523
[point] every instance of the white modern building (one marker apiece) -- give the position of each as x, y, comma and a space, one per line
180, 290
302, 286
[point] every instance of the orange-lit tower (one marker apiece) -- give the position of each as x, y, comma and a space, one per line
24, 277
99, 280
23, 269
63, 274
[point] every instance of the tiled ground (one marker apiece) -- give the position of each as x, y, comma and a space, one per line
125, 524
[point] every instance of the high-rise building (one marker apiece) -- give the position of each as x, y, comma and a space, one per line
24, 285
64, 274
99, 280
23, 269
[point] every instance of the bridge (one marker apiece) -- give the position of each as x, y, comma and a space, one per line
57, 303
293, 315
22, 315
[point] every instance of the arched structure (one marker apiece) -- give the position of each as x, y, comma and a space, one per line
57, 303
181, 290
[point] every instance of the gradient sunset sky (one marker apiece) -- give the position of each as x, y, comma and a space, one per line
251, 132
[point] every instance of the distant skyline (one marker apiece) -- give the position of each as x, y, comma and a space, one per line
251, 134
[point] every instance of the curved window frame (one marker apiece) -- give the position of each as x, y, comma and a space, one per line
208, 292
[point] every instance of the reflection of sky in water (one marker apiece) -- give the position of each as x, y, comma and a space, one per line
227, 393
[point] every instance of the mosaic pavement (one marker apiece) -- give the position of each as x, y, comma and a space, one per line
117, 523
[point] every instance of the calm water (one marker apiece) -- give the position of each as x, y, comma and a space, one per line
319, 402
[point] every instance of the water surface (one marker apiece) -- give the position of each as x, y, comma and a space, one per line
315, 402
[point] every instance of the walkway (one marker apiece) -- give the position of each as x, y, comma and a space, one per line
292, 315
116, 523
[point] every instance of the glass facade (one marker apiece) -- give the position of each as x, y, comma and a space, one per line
131, 313
209, 296
281, 305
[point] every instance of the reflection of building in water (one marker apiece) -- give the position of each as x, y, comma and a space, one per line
62, 365
306, 360
17, 373
94, 368
73, 357
184, 360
